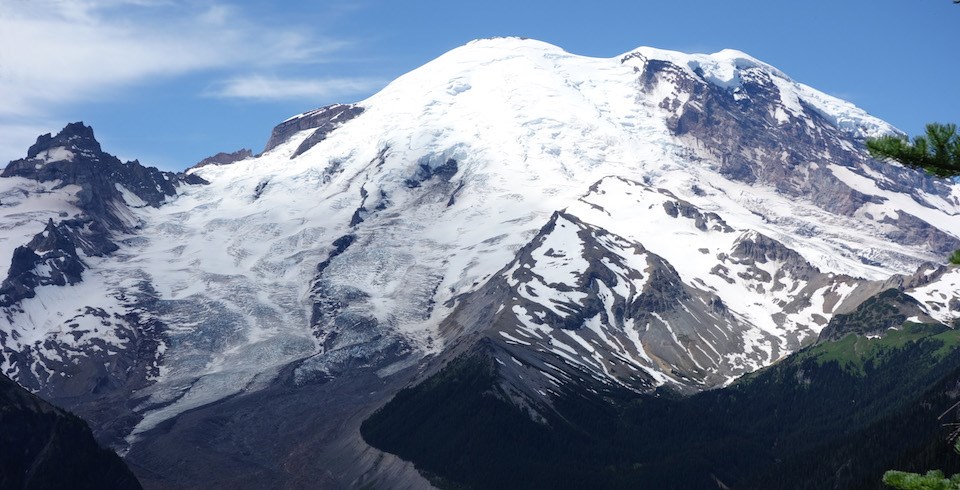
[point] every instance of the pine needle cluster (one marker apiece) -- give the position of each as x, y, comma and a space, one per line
932, 480
937, 152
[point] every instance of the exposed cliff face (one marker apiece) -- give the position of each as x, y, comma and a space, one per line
760, 132
321, 121
889, 309
223, 158
49, 259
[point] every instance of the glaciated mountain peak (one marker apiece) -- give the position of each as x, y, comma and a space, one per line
649, 220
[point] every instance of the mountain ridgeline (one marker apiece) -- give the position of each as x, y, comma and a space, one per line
833, 415
655, 269
43, 447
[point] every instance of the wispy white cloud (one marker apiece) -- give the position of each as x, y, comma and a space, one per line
59, 52
63, 51
272, 88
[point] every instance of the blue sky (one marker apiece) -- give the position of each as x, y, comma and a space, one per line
170, 82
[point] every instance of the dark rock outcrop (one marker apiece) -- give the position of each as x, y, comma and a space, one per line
886, 310
703, 221
755, 138
49, 259
323, 121
425, 171
224, 158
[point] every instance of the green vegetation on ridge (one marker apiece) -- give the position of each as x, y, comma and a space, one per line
853, 352
843, 411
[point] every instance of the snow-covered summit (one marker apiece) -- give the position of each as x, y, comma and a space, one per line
419, 194
690, 217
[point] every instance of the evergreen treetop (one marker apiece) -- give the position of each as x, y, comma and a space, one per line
937, 152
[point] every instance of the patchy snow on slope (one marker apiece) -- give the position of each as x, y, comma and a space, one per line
724, 69
57, 154
941, 297
25, 208
87, 316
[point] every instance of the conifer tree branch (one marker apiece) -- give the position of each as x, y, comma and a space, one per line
937, 152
